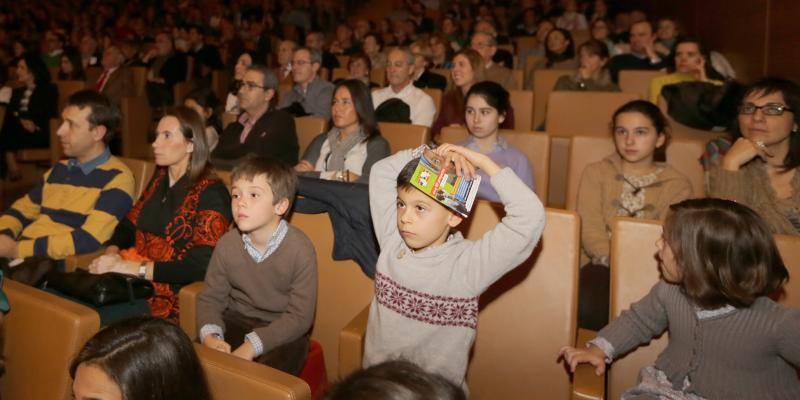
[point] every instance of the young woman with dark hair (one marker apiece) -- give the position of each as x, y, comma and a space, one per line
486, 108
760, 169
348, 151
631, 182
142, 358
592, 73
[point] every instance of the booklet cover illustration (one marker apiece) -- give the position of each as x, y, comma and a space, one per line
441, 183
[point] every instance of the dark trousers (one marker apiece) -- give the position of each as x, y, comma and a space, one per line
31, 272
593, 291
289, 357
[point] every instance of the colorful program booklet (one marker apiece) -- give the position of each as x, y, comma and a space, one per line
441, 183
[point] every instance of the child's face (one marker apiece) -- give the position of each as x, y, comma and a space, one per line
636, 138
252, 204
482, 119
669, 267
421, 221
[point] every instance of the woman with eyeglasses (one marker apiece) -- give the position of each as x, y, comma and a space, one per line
760, 169
348, 151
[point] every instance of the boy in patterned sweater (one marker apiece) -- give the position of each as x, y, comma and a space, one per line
428, 279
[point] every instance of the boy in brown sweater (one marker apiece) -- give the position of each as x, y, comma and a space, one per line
261, 285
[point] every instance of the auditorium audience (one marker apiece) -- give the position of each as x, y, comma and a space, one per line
760, 169
373, 47
359, 68
592, 74
442, 53
631, 183
27, 116
486, 109
78, 202
399, 73
166, 67
311, 95
205, 102
260, 129
139, 358
261, 287
71, 67
116, 80
170, 233
244, 61
691, 65
559, 54
354, 143
423, 59
642, 52
486, 45
284, 56
467, 70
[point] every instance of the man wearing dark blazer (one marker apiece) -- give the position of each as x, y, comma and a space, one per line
260, 129
116, 81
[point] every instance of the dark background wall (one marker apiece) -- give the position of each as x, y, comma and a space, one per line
759, 37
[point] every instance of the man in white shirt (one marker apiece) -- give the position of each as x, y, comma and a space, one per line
399, 73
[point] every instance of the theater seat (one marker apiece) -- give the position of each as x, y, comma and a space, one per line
525, 317
638, 81
42, 334
231, 378
307, 129
404, 136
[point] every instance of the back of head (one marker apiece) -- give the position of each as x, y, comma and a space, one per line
726, 252
103, 111
37, 67
281, 178
149, 358
395, 380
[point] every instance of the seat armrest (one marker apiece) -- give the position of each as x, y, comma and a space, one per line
351, 344
187, 299
73, 262
585, 384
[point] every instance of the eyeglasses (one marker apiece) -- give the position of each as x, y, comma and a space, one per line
767, 109
300, 62
248, 85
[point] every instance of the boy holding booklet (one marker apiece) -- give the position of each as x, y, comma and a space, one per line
428, 279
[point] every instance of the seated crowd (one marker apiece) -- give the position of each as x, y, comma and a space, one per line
225, 99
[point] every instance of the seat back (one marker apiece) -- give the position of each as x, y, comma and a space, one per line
339, 73
227, 119
634, 271
343, 59
544, 81
220, 83
225, 177
136, 125
519, 78
513, 354
535, 146
522, 102
139, 78
443, 72
43, 333
682, 155
436, 95
580, 36
404, 136
307, 129
378, 75
583, 113
638, 81
180, 90
142, 172
230, 377
66, 89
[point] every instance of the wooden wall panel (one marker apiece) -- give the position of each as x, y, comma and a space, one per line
783, 56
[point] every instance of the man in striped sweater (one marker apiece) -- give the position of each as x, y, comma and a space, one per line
77, 205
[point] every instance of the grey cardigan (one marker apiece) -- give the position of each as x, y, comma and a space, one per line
377, 149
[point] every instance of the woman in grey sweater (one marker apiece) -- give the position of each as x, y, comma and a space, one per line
727, 338
349, 149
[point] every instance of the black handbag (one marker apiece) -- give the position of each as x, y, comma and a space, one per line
100, 289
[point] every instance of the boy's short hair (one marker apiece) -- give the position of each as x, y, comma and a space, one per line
281, 178
395, 380
726, 252
404, 177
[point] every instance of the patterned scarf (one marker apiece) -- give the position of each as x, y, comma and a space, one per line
339, 148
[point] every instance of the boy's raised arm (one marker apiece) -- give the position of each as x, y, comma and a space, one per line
383, 193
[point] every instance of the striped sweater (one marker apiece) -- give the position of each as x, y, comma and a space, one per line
69, 211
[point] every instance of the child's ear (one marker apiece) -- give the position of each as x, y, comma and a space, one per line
454, 219
282, 207
662, 139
